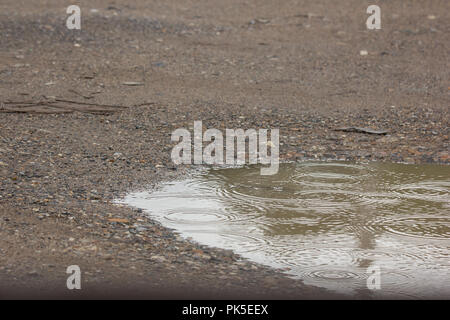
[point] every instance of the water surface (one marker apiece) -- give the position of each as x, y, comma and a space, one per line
325, 223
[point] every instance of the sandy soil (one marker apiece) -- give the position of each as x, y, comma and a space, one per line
75, 135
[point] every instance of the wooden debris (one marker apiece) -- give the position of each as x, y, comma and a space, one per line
362, 130
129, 83
57, 105
119, 220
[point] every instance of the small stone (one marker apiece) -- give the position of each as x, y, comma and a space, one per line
33, 273
158, 258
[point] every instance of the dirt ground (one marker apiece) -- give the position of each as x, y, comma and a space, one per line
86, 115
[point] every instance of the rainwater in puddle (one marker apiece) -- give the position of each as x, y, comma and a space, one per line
325, 223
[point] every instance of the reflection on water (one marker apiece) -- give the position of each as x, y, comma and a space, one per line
325, 223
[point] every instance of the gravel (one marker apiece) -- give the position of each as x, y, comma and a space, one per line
62, 170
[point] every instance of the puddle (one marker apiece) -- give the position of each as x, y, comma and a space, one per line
324, 223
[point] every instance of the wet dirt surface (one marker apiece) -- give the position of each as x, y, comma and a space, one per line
254, 64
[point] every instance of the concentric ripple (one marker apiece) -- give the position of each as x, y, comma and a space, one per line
325, 223
333, 275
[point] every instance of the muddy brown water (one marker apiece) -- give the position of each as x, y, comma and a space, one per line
325, 223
